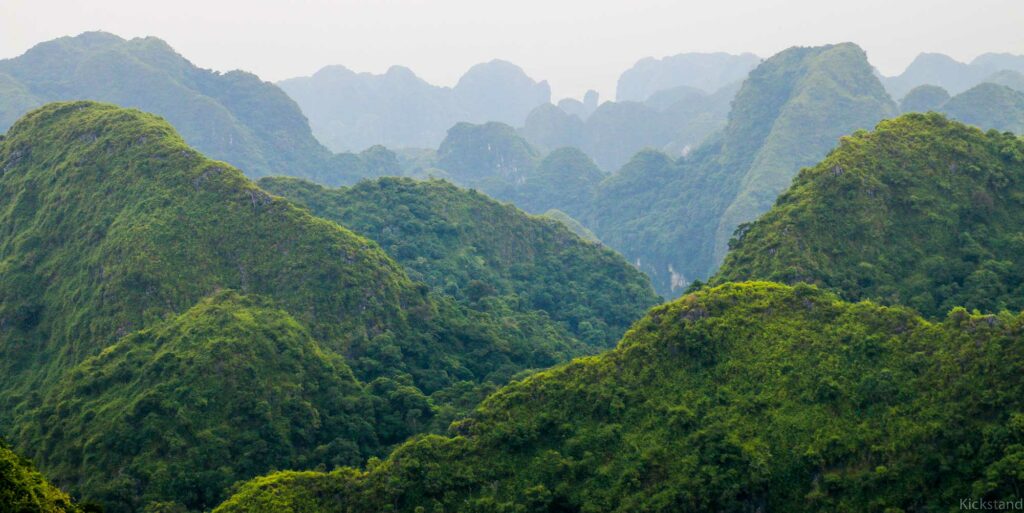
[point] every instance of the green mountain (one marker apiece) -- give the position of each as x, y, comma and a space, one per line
573, 225
131, 374
923, 212
487, 254
745, 397
924, 98
989, 106
234, 117
495, 159
24, 490
491, 157
673, 218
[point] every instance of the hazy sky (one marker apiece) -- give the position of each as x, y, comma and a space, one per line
574, 44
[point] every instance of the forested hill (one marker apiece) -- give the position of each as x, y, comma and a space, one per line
923, 211
234, 117
745, 397
482, 252
675, 217
169, 328
24, 490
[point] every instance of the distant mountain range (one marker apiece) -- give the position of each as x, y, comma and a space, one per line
706, 72
351, 111
235, 116
950, 74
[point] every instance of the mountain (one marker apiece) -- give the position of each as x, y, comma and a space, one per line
490, 157
674, 217
352, 111
467, 245
708, 72
924, 98
673, 120
549, 127
168, 328
989, 106
953, 76
617, 130
744, 397
572, 225
499, 91
924, 212
1008, 78
495, 159
234, 117
24, 490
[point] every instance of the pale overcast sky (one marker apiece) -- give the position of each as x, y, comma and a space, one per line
574, 44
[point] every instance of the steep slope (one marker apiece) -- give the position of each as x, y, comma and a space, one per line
498, 161
746, 397
113, 227
708, 72
817, 94
923, 211
352, 111
572, 225
257, 390
471, 247
674, 218
24, 490
989, 106
234, 117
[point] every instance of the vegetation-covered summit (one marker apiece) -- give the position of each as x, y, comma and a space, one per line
131, 375
923, 211
479, 251
746, 397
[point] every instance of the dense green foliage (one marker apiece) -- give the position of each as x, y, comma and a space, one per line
674, 218
25, 490
496, 160
573, 225
234, 117
745, 397
924, 98
485, 253
351, 111
186, 407
989, 106
923, 211
117, 376
490, 157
